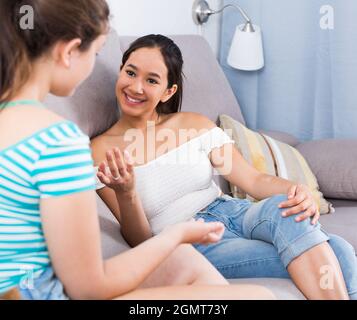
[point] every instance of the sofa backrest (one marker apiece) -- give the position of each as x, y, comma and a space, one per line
206, 89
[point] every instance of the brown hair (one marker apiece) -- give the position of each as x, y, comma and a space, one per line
54, 20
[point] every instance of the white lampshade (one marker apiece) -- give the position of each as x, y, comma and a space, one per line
246, 52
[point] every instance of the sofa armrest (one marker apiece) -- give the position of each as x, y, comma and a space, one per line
281, 136
334, 164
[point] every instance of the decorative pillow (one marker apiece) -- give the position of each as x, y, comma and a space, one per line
339, 157
272, 157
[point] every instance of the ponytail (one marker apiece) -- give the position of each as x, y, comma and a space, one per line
14, 63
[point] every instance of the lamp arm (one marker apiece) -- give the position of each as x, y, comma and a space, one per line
245, 16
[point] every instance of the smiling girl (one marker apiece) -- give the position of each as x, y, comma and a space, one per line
160, 180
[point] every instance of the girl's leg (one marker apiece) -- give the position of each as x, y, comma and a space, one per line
346, 256
185, 266
302, 247
200, 292
307, 272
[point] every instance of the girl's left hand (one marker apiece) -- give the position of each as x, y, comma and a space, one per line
299, 200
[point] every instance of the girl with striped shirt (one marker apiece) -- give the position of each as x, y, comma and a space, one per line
49, 230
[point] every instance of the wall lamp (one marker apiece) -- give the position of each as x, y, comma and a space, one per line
246, 51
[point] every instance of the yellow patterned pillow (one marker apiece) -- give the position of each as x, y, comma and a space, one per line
272, 157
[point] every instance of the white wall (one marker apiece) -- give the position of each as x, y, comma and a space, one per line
140, 17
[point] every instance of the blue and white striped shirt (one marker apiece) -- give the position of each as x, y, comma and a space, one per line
53, 162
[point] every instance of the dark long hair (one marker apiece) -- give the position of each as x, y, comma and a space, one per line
174, 62
54, 20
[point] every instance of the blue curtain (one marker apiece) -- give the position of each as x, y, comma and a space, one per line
308, 86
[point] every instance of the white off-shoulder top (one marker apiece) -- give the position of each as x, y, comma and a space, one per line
178, 184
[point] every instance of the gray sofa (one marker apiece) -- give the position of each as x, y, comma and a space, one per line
207, 91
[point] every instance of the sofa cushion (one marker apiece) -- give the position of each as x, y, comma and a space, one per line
272, 157
343, 222
112, 242
283, 289
335, 166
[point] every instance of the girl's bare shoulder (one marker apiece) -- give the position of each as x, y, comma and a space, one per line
20, 122
30, 116
193, 120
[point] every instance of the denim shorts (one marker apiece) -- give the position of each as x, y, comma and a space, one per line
257, 236
46, 287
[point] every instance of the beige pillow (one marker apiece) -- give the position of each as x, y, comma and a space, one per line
272, 157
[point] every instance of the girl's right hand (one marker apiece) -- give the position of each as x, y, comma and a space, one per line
117, 172
196, 231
